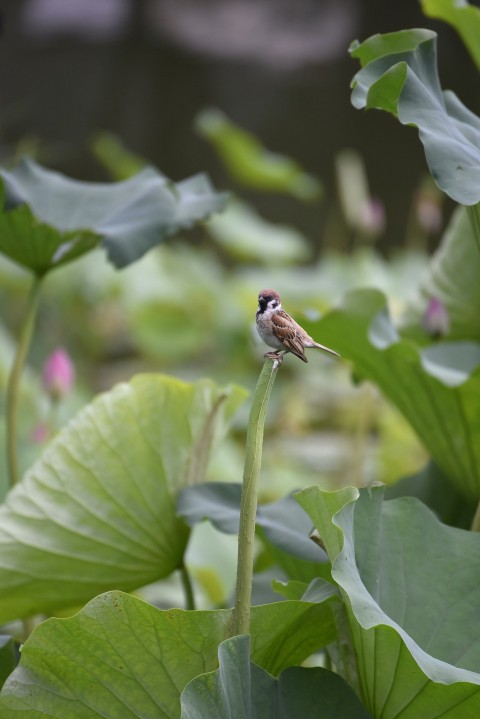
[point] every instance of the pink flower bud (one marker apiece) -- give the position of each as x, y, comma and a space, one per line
435, 319
58, 374
372, 218
429, 211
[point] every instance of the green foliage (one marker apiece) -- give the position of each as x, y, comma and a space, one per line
50, 219
97, 510
246, 237
251, 164
282, 522
399, 74
386, 595
416, 635
239, 689
122, 657
452, 278
436, 388
432, 487
115, 157
463, 16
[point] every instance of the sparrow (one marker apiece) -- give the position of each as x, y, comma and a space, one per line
278, 330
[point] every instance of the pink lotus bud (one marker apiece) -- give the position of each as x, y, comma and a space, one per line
429, 211
436, 320
372, 218
58, 374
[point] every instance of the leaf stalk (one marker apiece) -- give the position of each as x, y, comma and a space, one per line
13, 384
187, 588
248, 503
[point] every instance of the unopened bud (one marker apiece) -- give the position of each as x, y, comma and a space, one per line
435, 319
58, 374
429, 211
372, 218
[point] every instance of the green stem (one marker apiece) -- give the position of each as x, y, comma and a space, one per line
476, 520
473, 212
248, 505
13, 385
187, 588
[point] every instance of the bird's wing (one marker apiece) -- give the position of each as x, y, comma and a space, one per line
289, 334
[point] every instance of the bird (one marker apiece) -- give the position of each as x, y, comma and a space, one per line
280, 331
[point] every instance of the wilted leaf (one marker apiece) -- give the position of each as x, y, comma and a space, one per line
121, 657
97, 510
412, 592
399, 74
50, 219
239, 689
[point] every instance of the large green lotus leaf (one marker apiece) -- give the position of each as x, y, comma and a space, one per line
251, 164
121, 657
452, 277
239, 689
97, 510
412, 591
50, 219
465, 18
399, 74
436, 388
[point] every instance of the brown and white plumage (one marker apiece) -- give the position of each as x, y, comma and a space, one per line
280, 331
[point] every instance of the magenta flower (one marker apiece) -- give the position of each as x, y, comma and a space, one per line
58, 374
435, 319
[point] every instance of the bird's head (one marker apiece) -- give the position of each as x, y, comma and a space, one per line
268, 300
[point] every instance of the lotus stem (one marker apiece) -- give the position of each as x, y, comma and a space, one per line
248, 504
13, 384
187, 588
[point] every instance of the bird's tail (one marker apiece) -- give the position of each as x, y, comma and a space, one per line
326, 349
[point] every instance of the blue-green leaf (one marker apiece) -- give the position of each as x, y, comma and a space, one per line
239, 689
399, 75
412, 593
50, 219
283, 523
436, 388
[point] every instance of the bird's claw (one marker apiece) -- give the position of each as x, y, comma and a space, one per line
276, 357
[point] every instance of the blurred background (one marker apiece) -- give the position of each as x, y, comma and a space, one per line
143, 69
98, 88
